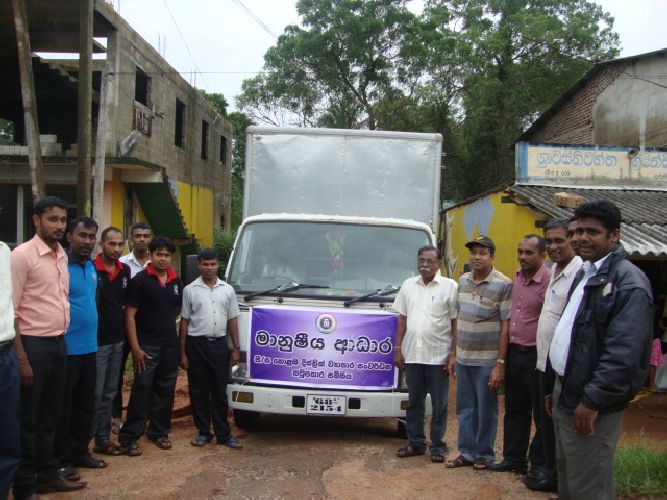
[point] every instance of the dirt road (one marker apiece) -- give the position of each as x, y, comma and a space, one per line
324, 457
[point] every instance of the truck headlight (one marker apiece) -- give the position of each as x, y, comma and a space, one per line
240, 370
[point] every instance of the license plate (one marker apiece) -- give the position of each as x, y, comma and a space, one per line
322, 404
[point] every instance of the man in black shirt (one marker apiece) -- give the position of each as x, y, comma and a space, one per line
113, 278
153, 302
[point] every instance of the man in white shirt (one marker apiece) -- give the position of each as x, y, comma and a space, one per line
10, 442
600, 353
566, 264
426, 305
208, 319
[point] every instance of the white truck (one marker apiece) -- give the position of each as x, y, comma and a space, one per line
332, 223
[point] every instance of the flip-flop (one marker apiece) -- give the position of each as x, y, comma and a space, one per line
459, 461
200, 441
410, 451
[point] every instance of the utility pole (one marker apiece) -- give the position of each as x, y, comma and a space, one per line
100, 145
85, 106
28, 98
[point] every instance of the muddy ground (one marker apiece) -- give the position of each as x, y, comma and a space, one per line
319, 457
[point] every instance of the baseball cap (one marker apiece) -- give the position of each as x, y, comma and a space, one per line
483, 241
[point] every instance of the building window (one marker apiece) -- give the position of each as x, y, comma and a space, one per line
204, 140
142, 88
223, 149
179, 139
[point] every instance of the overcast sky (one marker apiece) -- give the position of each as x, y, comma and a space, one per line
226, 42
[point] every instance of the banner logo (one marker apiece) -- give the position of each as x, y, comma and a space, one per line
326, 323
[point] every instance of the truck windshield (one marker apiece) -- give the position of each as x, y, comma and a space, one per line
347, 259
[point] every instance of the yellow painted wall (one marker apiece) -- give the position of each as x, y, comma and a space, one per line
117, 200
197, 206
504, 223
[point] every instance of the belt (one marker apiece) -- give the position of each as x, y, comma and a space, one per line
210, 338
523, 348
6, 346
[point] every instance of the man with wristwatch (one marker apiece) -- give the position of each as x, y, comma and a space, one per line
477, 359
208, 319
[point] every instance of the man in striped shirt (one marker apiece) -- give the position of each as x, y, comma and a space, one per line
479, 347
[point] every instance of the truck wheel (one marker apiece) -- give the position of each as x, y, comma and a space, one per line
400, 428
246, 419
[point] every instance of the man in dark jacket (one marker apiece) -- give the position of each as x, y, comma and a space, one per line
599, 353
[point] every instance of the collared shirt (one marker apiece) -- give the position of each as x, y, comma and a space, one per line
554, 303
132, 261
40, 286
112, 291
560, 344
81, 336
430, 310
157, 305
208, 309
6, 306
527, 300
481, 307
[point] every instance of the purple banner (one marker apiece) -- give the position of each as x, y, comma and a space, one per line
330, 348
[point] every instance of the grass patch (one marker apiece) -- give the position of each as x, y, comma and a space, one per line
640, 469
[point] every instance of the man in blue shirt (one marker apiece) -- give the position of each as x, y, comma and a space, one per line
76, 419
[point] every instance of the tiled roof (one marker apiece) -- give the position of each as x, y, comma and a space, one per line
644, 212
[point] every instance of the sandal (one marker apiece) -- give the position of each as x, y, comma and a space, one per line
200, 441
481, 464
410, 451
107, 448
162, 442
130, 449
437, 457
459, 461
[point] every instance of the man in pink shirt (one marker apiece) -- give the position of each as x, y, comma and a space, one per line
521, 380
40, 287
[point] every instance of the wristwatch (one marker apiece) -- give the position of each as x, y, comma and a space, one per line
501, 361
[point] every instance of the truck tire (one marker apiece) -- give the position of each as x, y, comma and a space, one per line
246, 419
400, 428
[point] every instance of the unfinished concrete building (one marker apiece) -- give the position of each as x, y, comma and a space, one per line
168, 153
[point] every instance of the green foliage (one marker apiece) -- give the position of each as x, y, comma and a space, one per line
240, 122
223, 243
6, 130
639, 469
476, 71
216, 100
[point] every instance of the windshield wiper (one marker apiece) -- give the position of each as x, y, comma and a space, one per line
379, 293
285, 287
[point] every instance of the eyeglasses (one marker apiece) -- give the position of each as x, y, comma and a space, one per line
430, 262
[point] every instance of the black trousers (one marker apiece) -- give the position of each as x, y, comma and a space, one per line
40, 410
75, 426
117, 404
152, 396
208, 373
548, 433
10, 438
522, 396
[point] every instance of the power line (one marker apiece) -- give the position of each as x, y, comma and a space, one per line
185, 43
257, 19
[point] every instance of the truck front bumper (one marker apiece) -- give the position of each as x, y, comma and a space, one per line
292, 400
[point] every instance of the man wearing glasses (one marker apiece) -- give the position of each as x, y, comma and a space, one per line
426, 305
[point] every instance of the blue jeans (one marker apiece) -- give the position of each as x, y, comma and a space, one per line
423, 379
477, 411
109, 359
10, 437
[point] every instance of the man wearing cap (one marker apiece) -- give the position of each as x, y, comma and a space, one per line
479, 348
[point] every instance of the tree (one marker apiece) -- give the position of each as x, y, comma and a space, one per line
239, 121
334, 70
216, 100
522, 54
476, 71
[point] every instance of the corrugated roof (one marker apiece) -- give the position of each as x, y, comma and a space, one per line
644, 213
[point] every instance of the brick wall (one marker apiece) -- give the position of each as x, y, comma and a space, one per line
573, 123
